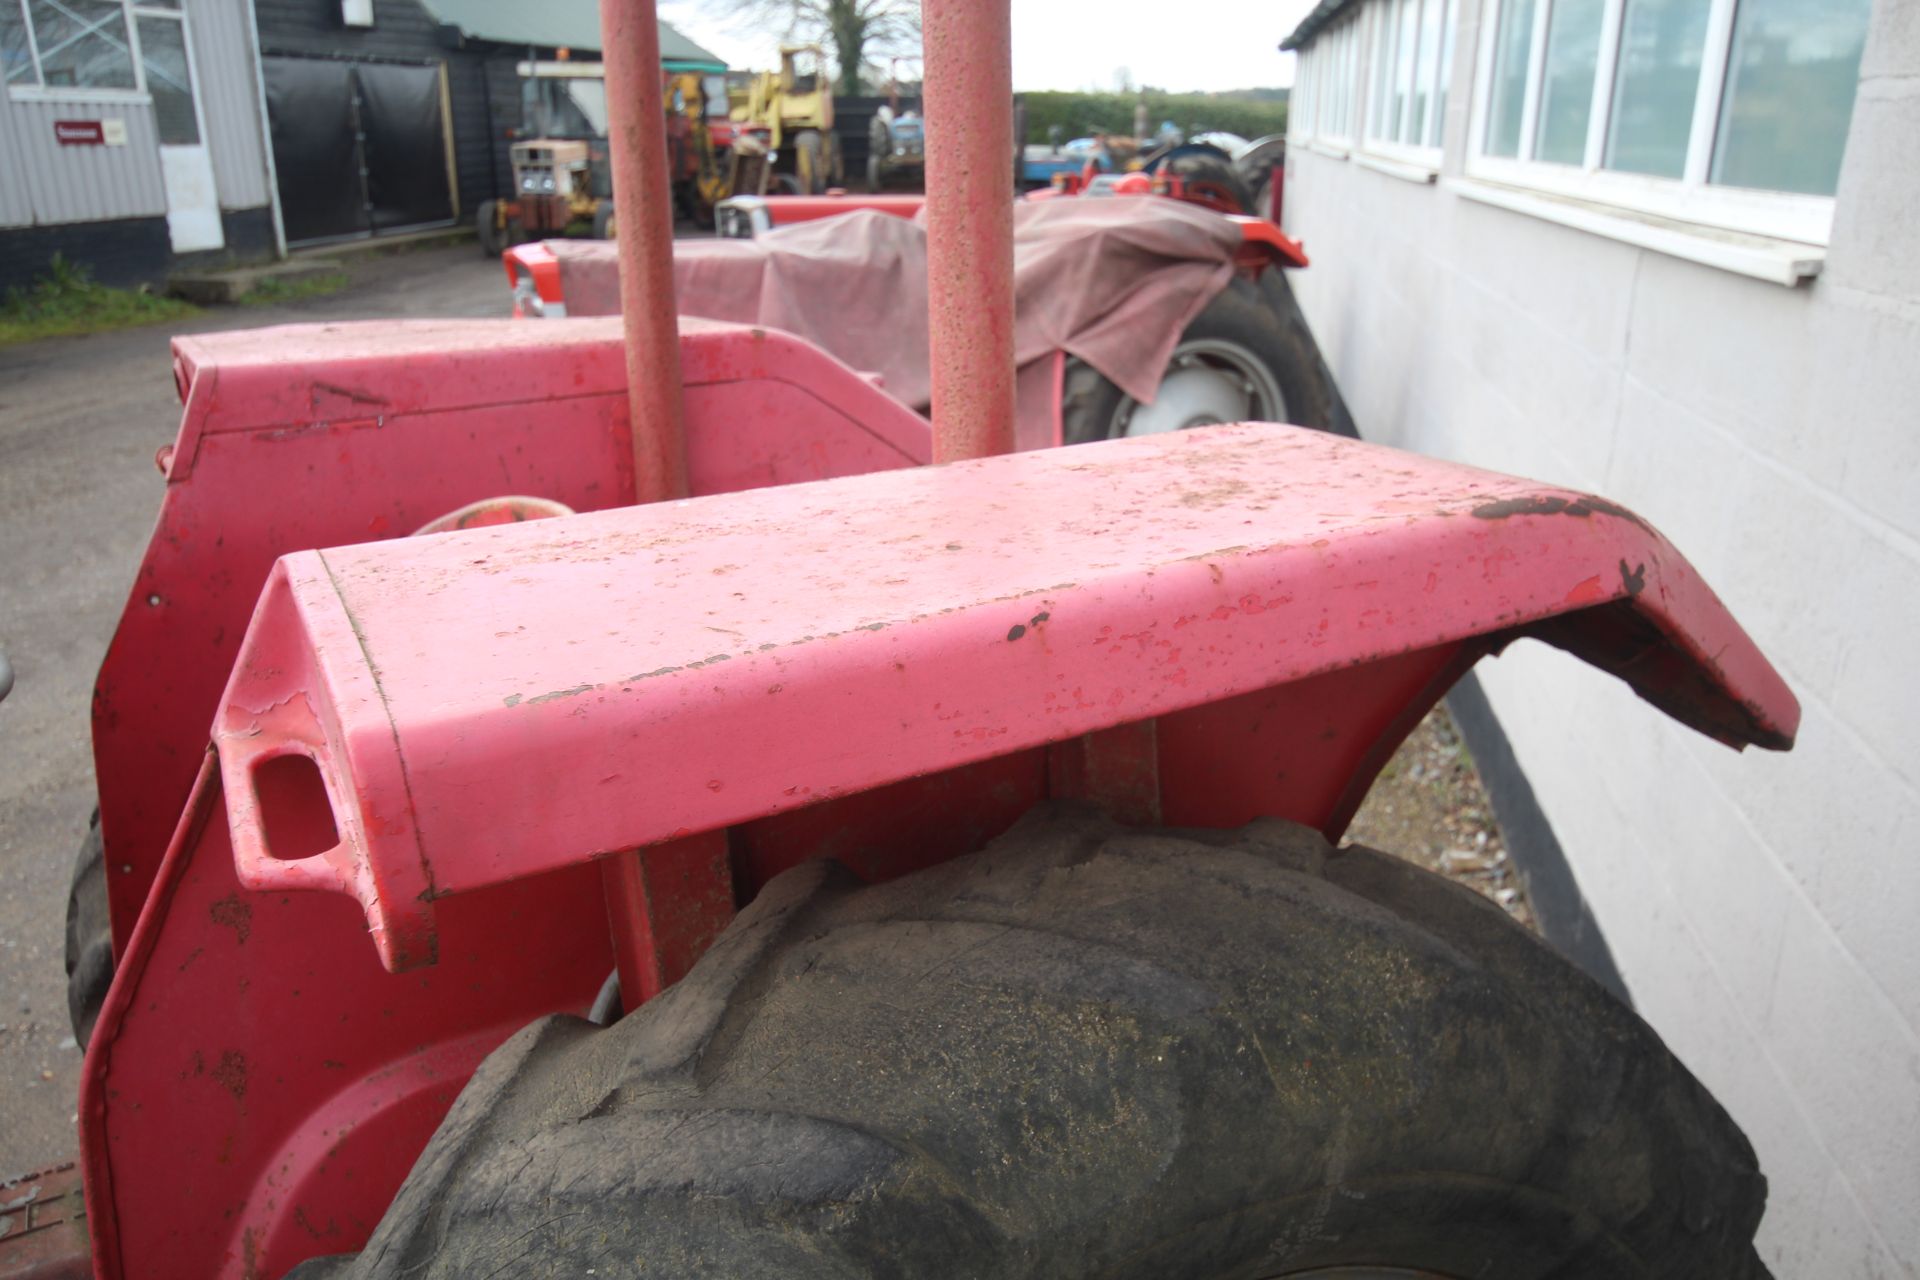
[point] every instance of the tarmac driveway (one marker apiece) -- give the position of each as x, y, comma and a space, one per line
80, 419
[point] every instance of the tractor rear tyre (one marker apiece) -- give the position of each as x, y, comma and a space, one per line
810, 162
1090, 1050
89, 935
1248, 356
606, 225
1203, 175
487, 229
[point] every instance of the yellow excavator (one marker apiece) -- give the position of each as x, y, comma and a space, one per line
795, 107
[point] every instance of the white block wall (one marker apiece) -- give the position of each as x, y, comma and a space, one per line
1764, 909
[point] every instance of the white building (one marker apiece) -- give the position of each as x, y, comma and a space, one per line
1669, 250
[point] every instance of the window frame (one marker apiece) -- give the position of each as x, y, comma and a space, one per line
130, 12
1690, 198
1382, 59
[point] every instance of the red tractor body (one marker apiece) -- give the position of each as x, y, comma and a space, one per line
457, 781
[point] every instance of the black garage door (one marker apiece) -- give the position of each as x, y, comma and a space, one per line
358, 147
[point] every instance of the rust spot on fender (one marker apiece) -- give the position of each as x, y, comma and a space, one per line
1548, 504
231, 1074
1634, 579
235, 913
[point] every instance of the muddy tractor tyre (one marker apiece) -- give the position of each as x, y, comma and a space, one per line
1248, 356
1086, 1051
606, 223
89, 935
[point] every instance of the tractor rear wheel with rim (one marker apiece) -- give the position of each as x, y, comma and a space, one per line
606, 225
1248, 357
1090, 1050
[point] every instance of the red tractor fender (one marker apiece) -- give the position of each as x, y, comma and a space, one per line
436, 758
1264, 244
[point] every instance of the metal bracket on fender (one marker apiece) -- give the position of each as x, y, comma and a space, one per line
502, 702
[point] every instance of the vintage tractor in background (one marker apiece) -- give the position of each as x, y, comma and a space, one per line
795, 107
808, 861
557, 188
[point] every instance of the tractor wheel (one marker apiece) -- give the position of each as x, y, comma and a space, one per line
1090, 1050
89, 935
605, 224
1215, 181
1248, 357
810, 162
486, 225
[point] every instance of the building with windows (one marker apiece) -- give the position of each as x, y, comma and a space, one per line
140, 135
1664, 250
131, 136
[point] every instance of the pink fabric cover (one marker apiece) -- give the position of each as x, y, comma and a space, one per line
1112, 281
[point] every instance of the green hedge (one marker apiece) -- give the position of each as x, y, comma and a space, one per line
1078, 114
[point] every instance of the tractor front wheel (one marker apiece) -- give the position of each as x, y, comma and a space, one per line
487, 229
1248, 357
810, 162
1092, 1050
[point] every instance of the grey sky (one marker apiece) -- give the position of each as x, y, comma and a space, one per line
1071, 44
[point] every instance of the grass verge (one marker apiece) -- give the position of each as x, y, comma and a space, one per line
277, 289
67, 301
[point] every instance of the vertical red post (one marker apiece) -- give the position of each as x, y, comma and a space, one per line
637, 146
969, 108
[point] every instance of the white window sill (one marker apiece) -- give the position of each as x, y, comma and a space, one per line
1406, 170
1332, 150
79, 97
1784, 262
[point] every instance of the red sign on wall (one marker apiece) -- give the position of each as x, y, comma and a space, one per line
80, 133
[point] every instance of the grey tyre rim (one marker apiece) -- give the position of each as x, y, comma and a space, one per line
1208, 380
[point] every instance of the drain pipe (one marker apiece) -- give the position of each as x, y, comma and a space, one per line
637, 146
968, 99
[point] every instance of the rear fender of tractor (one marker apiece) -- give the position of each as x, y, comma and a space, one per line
312, 436
454, 781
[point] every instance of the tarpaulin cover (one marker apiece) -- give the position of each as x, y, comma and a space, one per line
315, 158
1112, 281
405, 145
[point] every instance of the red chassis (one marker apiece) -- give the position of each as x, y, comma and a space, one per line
456, 781
426, 747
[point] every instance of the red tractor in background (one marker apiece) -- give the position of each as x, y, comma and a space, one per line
785, 857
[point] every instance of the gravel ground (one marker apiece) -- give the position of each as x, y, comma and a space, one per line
79, 421
1429, 807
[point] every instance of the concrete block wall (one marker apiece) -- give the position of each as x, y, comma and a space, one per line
1764, 909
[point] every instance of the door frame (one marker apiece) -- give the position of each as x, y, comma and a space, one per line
135, 13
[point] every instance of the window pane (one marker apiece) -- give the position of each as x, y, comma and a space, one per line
1430, 14
1789, 99
1660, 49
1512, 44
16, 55
83, 43
1566, 94
1437, 130
1382, 70
1404, 48
163, 53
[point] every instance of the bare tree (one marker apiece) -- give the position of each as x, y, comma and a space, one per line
860, 32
